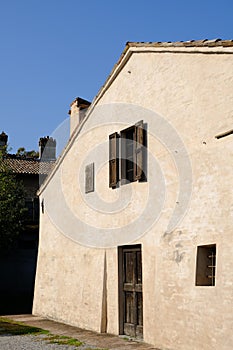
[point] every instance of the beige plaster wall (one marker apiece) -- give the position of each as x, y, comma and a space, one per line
193, 92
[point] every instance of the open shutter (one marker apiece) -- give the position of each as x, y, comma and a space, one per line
123, 157
113, 160
138, 156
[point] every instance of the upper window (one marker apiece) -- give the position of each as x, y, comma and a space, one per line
132, 155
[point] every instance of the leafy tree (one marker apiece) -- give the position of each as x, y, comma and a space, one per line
12, 207
22, 152
33, 154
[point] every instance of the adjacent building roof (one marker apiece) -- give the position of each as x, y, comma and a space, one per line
19, 165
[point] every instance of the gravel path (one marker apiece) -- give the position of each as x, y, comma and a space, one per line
34, 342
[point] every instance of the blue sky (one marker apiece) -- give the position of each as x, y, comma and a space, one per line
55, 50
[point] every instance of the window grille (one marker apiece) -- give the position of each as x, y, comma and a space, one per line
206, 265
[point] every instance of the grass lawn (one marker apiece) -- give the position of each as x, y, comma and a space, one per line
10, 327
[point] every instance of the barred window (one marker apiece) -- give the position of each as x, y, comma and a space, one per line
206, 265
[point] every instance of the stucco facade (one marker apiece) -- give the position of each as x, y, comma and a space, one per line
184, 96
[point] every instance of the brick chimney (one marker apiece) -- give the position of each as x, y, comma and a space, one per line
3, 140
77, 112
47, 148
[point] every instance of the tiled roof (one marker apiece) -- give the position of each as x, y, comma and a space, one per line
190, 43
27, 166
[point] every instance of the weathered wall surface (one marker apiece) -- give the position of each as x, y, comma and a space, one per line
193, 92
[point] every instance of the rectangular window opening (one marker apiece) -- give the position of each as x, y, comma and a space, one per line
127, 155
206, 265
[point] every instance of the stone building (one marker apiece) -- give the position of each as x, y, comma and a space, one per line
17, 268
136, 231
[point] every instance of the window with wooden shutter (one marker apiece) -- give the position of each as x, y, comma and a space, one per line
127, 155
133, 154
138, 151
113, 160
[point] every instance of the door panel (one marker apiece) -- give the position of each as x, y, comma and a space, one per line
130, 291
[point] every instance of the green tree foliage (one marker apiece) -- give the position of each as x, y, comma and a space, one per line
12, 208
31, 154
21, 151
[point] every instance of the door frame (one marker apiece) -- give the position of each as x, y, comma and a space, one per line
121, 298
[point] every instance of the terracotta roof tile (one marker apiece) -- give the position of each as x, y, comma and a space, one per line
190, 43
27, 166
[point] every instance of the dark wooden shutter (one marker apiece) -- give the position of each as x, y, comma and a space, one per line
123, 157
113, 159
139, 142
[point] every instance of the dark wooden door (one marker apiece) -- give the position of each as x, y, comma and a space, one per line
130, 282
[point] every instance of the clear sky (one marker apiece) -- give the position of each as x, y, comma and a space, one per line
52, 51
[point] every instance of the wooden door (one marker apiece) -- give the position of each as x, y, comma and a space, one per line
130, 291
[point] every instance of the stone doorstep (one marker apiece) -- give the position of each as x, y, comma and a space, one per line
111, 342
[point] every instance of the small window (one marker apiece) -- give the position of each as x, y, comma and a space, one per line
206, 265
